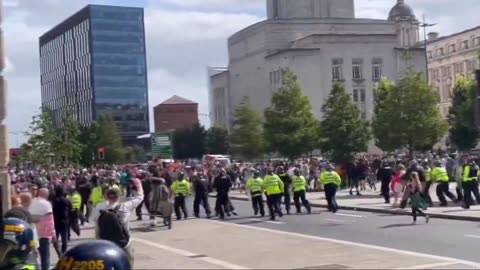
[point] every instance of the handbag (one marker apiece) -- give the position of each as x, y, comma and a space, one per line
418, 201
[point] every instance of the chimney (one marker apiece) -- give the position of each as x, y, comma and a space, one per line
432, 36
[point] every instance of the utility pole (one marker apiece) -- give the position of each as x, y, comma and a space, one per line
4, 153
425, 25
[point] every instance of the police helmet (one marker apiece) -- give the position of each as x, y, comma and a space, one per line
256, 173
296, 171
329, 167
16, 243
94, 254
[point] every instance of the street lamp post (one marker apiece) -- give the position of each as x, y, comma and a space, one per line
425, 25
4, 155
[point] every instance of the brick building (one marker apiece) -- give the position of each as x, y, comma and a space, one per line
175, 113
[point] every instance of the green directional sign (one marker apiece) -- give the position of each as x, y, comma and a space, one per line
162, 145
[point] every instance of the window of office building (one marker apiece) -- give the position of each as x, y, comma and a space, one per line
357, 69
337, 70
464, 45
440, 52
452, 48
376, 69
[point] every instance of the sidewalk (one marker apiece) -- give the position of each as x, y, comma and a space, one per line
371, 201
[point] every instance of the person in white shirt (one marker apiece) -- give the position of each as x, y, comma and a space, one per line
124, 210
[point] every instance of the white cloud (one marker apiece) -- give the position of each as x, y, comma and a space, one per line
183, 37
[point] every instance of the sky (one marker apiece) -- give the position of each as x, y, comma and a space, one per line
183, 38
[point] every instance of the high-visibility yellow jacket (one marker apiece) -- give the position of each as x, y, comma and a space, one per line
469, 174
96, 197
299, 183
440, 174
181, 188
273, 184
255, 186
330, 177
76, 200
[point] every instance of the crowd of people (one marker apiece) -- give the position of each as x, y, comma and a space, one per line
53, 203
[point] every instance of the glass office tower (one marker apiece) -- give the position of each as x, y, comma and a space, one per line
95, 63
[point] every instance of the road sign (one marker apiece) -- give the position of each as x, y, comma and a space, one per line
162, 145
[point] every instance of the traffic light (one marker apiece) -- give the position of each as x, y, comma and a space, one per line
101, 153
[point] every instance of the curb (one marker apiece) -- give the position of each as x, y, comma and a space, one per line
380, 211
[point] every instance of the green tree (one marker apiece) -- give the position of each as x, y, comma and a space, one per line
41, 138
217, 141
381, 128
344, 132
463, 133
189, 143
290, 127
409, 116
134, 153
247, 135
88, 138
66, 145
106, 135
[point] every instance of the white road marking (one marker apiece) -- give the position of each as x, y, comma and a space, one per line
348, 215
275, 222
429, 266
223, 264
335, 220
336, 241
472, 236
267, 221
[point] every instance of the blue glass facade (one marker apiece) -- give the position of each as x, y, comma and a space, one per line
116, 76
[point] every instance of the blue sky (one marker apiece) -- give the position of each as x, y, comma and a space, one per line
183, 38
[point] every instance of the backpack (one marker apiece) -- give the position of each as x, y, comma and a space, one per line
111, 228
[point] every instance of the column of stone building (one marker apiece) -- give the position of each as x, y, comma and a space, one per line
4, 153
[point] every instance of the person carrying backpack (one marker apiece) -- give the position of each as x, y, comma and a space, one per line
112, 218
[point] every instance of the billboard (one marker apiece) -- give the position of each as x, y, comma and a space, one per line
162, 145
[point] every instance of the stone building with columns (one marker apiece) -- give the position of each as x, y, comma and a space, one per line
321, 41
450, 57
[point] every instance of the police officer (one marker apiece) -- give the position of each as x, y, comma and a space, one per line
76, 201
255, 188
273, 188
470, 184
94, 254
428, 181
181, 188
439, 174
299, 191
16, 245
96, 197
331, 182
222, 185
201, 189
287, 185
385, 174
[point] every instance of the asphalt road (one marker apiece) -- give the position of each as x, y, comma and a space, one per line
449, 238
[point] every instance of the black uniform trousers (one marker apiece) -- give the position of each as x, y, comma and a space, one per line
442, 191
145, 202
300, 195
286, 198
469, 188
385, 188
201, 198
222, 204
179, 204
74, 226
257, 204
85, 210
273, 203
330, 192
426, 193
